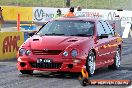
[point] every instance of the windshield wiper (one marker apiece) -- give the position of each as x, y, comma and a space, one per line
54, 34
85, 35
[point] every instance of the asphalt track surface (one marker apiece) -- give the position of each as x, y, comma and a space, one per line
10, 77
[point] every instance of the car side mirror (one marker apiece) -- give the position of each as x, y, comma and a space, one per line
31, 34
103, 36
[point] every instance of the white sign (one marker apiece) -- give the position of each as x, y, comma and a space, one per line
123, 16
42, 14
127, 30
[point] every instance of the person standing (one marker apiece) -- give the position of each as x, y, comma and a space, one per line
70, 13
1, 18
79, 8
79, 11
59, 14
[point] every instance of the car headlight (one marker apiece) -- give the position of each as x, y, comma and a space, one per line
65, 53
74, 53
28, 52
22, 51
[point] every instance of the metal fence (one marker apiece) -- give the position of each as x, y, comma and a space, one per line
90, 4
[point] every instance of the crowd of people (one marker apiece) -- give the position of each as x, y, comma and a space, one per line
69, 14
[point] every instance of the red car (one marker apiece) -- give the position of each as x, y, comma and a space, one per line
68, 44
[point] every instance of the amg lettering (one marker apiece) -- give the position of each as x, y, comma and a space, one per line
10, 44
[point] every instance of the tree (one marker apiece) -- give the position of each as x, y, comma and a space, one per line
67, 2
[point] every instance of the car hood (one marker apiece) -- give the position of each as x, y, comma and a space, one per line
54, 42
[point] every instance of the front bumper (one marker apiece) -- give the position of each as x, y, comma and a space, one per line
65, 65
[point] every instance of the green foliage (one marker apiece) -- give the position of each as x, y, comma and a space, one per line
91, 4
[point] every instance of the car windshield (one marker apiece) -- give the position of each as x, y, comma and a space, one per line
68, 28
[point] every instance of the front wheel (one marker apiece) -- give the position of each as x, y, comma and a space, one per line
26, 71
90, 64
117, 60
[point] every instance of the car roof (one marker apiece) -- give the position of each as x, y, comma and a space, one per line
77, 18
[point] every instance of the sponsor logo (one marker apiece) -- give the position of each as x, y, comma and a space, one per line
115, 16
89, 14
10, 44
40, 15
112, 16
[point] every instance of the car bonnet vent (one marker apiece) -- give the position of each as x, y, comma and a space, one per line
72, 40
35, 39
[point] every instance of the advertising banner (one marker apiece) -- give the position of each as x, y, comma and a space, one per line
10, 13
10, 43
42, 14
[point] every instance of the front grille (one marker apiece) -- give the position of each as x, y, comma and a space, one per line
46, 65
46, 52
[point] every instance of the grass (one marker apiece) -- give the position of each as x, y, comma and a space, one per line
91, 4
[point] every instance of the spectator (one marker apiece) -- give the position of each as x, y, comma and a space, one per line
1, 18
70, 13
79, 8
59, 14
79, 11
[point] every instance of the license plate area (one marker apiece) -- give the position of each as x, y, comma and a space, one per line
43, 60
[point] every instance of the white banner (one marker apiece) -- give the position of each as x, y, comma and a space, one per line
42, 14
123, 16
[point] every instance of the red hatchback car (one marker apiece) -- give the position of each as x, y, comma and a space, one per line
68, 44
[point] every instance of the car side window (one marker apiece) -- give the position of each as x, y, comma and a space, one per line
100, 29
110, 27
107, 28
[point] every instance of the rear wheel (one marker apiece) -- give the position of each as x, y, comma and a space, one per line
26, 71
90, 64
117, 60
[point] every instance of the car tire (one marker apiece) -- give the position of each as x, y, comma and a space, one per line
26, 71
90, 64
117, 60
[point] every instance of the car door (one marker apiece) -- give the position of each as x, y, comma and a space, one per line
113, 41
101, 45
111, 47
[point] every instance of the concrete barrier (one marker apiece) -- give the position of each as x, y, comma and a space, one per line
10, 43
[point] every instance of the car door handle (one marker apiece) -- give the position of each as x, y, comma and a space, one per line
104, 46
108, 45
